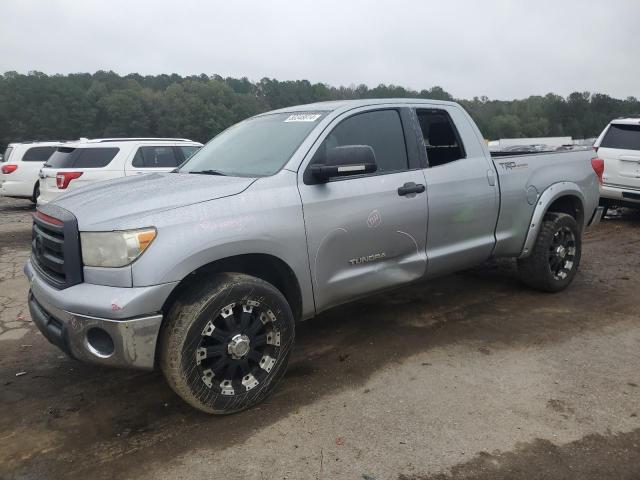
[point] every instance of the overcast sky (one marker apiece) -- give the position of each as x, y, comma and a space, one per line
499, 48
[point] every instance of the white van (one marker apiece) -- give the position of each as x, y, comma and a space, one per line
74, 165
20, 166
619, 147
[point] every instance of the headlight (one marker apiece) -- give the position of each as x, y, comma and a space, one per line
114, 249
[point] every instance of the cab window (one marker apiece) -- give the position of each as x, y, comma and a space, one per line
441, 139
380, 129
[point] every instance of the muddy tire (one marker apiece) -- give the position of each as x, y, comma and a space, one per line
556, 254
226, 342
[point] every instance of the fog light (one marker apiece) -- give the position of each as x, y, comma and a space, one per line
100, 342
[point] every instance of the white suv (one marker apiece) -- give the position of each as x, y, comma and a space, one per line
20, 166
619, 148
74, 165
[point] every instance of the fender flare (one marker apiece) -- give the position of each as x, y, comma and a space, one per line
551, 194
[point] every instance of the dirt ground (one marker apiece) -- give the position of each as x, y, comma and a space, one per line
470, 377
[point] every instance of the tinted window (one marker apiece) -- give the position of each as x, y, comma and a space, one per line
66, 157
440, 137
7, 152
258, 146
38, 154
381, 130
189, 150
624, 137
155, 157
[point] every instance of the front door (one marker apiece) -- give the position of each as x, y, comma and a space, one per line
365, 233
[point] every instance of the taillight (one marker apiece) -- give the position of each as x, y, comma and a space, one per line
8, 168
598, 166
46, 218
63, 178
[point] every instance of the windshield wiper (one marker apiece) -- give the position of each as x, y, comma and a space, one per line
210, 172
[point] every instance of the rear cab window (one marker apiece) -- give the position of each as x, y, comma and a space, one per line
622, 137
69, 157
441, 139
38, 154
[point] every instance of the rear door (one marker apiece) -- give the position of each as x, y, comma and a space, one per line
620, 150
153, 158
363, 234
462, 190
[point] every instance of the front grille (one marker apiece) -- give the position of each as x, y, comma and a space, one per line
48, 249
55, 247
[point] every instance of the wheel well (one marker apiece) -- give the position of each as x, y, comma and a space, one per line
571, 205
266, 267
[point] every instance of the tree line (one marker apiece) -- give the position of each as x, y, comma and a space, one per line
37, 106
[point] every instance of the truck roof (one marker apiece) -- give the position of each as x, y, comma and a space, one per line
350, 104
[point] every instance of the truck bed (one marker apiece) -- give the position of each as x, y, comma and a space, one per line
523, 177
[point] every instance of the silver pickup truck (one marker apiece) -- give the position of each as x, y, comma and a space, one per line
204, 271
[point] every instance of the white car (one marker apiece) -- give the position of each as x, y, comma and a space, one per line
20, 166
619, 148
77, 164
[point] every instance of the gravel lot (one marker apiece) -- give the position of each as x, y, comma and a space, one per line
470, 377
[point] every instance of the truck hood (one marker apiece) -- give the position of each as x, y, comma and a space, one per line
109, 205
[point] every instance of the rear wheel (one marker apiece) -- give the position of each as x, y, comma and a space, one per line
554, 261
227, 342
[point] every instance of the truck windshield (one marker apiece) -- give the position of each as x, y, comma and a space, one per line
257, 147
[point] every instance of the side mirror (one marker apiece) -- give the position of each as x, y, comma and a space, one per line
344, 161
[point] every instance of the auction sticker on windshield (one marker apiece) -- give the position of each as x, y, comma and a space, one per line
303, 117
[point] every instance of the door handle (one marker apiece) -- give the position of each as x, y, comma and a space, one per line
411, 187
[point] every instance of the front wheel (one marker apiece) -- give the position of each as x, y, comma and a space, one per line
556, 254
227, 342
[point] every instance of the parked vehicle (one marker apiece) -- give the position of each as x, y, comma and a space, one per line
81, 163
20, 166
619, 148
204, 271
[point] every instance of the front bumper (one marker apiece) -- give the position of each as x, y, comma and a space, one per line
100, 324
